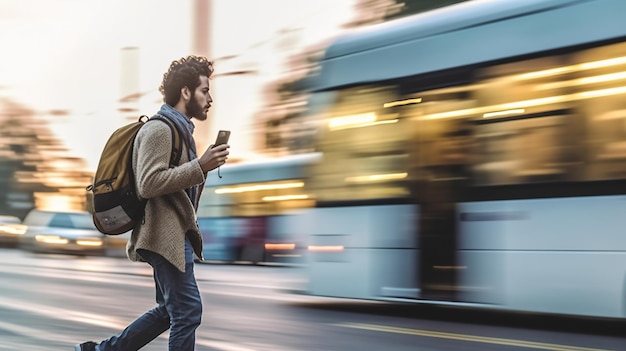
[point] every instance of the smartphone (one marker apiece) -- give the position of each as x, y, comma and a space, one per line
222, 137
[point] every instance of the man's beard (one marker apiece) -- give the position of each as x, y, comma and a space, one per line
194, 109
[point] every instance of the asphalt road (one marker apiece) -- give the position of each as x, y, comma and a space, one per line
53, 302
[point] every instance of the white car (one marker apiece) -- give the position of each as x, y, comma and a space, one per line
62, 232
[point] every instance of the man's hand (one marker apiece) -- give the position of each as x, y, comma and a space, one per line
214, 157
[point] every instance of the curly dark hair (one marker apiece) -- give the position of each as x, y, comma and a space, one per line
185, 72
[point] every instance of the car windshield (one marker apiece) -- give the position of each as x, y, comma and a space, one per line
72, 220
83, 222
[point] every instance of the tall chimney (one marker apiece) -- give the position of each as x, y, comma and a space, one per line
201, 27
201, 34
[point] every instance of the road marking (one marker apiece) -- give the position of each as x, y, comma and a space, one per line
467, 337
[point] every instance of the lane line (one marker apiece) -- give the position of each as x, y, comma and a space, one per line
467, 337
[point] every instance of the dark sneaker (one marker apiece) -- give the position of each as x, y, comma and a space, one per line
86, 346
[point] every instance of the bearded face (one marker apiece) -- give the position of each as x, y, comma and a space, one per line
194, 109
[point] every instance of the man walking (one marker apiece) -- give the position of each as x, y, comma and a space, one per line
168, 238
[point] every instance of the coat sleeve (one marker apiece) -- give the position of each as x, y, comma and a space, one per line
151, 158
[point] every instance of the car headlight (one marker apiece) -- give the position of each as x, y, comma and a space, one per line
13, 229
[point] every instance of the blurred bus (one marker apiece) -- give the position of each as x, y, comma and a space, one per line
251, 214
475, 155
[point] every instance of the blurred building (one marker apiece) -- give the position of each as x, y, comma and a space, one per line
35, 170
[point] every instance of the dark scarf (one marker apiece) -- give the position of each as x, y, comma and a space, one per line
185, 127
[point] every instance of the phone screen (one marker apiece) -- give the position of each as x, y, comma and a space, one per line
222, 137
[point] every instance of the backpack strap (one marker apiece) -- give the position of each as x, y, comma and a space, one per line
175, 154
177, 149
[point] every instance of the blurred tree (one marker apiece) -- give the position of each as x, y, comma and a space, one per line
288, 126
283, 119
33, 161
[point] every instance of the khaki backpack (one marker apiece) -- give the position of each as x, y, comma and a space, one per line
116, 206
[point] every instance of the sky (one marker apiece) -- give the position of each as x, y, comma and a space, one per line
66, 55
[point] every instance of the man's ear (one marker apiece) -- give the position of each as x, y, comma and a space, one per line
185, 94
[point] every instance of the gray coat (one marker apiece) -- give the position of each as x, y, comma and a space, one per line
169, 213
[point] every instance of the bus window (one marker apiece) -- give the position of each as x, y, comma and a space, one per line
521, 151
525, 125
607, 149
255, 199
365, 148
603, 85
553, 118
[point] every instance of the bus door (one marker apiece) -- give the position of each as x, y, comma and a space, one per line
442, 146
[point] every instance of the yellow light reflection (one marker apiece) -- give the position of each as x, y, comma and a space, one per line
361, 125
518, 111
600, 93
325, 248
54, 201
528, 103
545, 73
344, 121
376, 178
582, 81
616, 61
258, 187
402, 102
89, 242
51, 239
352, 121
603, 78
285, 197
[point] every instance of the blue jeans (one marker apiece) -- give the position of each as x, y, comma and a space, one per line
179, 308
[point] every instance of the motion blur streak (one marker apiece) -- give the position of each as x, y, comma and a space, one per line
63, 313
326, 248
285, 197
287, 246
39, 333
85, 318
259, 187
466, 337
